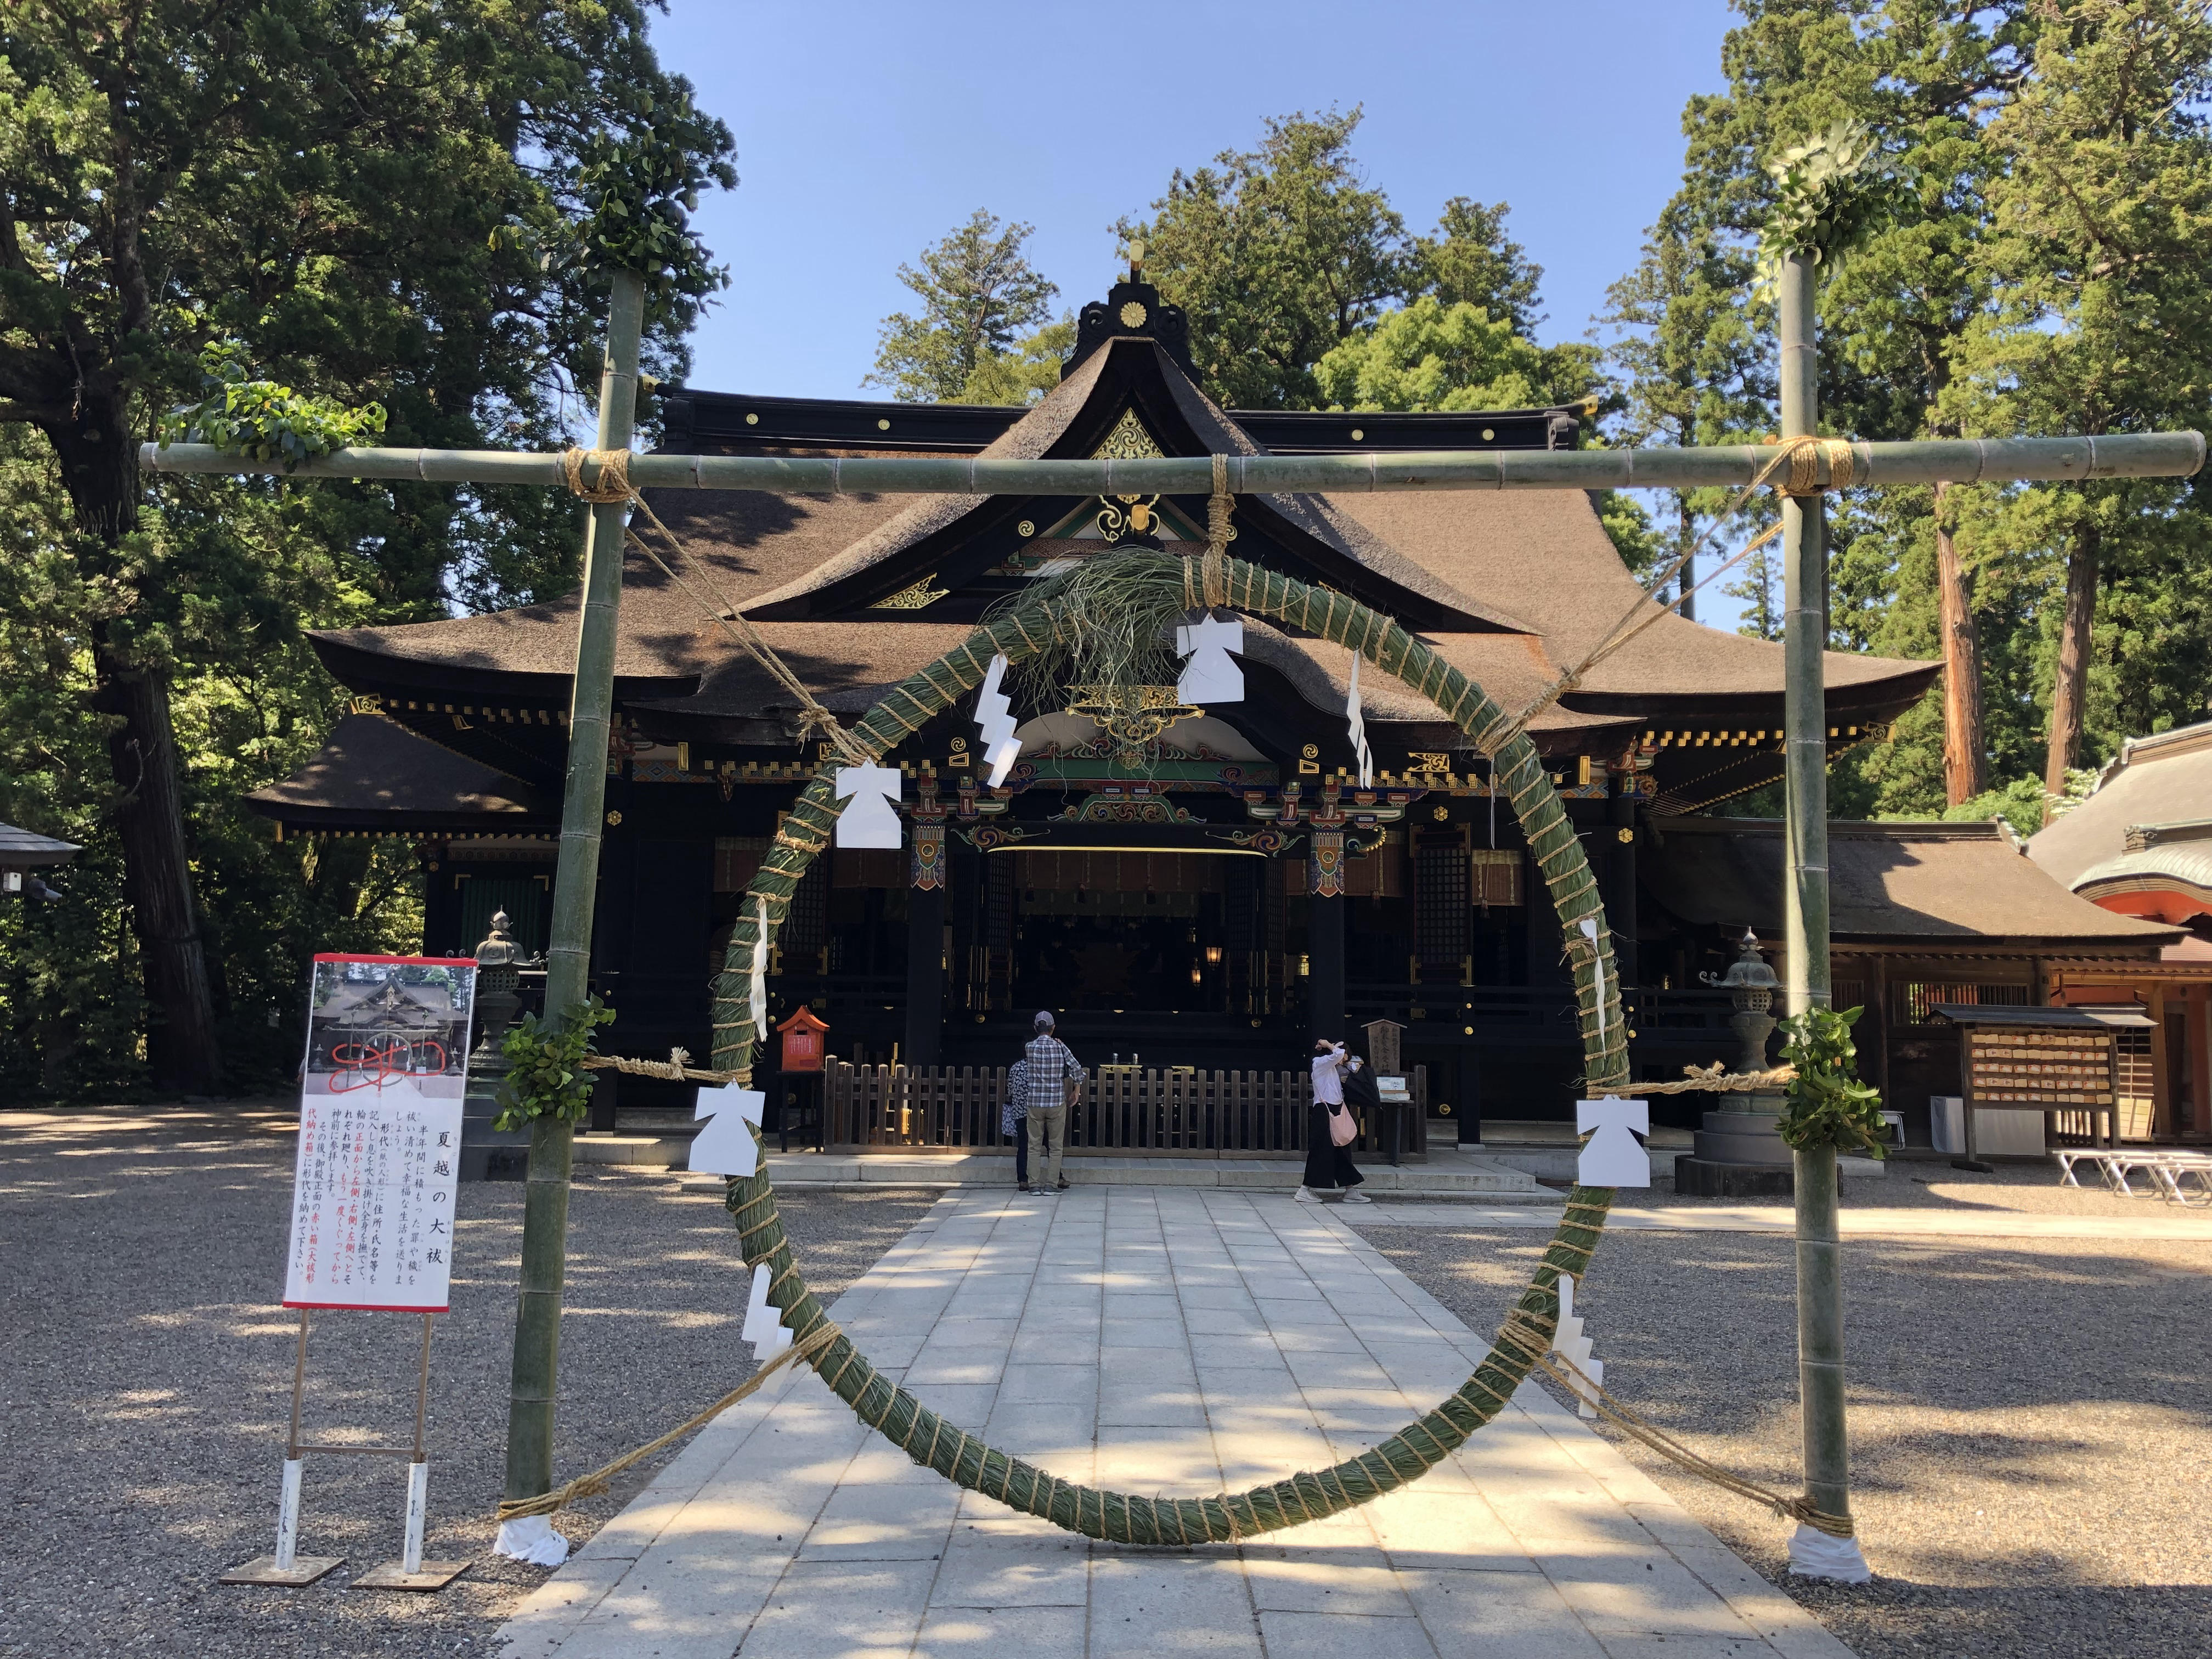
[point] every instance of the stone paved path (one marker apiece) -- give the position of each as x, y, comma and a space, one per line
1158, 1340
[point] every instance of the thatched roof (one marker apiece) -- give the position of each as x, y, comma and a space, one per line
1904, 883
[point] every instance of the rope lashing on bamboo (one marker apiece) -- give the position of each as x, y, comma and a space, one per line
1209, 581
1810, 465
1570, 1376
614, 485
598, 1480
1718, 1081
672, 1070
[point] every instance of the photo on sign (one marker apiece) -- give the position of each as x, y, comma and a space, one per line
374, 1184
375, 1024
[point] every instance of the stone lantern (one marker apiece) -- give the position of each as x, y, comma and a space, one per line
1751, 984
1738, 1150
499, 964
490, 1154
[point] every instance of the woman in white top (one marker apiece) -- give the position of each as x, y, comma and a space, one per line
1329, 1171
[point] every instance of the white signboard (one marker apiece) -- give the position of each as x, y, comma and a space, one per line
380, 1133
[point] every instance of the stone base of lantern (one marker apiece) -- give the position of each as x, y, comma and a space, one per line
1739, 1154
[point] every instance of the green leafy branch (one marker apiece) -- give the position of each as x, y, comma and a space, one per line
1826, 204
261, 420
545, 1073
639, 189
1828, 1106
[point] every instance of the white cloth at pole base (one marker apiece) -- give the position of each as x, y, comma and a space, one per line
532, 1539
1817, 1554
288, 1516
870, 819
1210, 677
418, 1508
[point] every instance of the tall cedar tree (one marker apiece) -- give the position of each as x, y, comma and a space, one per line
1280, 254
327, 183
2101, 253
1695, 367
978, 293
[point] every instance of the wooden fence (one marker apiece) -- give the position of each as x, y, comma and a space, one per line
1121, 1111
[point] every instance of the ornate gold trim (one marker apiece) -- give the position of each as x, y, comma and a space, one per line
1128, 441
920, 597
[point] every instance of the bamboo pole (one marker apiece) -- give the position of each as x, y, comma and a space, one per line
1805, 781
1956, 460
532, 1386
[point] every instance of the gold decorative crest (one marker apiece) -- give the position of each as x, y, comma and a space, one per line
917, 598
1128, 441
1133, 716
1133, 315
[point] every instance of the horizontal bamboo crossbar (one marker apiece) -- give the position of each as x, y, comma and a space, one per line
1935, 460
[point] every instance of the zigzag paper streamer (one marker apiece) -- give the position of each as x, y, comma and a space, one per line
1358, 729
995, 718
758, 989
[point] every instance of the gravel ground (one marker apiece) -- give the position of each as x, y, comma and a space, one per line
2031, 1427
145, 1379
1932, 1183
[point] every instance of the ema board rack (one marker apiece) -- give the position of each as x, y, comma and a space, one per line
2014, 1058
2042, 1069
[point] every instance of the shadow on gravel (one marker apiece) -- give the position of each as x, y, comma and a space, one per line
147, 1372
2032, 1434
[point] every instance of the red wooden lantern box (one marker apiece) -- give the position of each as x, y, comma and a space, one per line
803, 1037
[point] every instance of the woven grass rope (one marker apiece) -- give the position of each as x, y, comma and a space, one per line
1120, 1518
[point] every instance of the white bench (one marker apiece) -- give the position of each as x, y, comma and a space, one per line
2171, 1173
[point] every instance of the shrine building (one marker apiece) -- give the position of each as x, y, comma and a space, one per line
1186, 885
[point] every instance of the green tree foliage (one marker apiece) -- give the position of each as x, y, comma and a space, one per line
2037, 269
1694, 367
366, 208
978, 292
1429, 355
1470, 260
1026, 373
1282, 254
1277, 255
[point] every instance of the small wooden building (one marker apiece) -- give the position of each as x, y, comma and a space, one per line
2140, 846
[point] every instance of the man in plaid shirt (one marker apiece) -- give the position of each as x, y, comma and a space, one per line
1053, 1076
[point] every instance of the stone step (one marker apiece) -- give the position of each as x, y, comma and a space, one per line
1458, 1176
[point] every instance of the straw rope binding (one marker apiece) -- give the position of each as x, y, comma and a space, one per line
1404, 1456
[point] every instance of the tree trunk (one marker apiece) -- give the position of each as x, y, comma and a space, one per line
100, 469
1686, 537
2071, 687
1966, 770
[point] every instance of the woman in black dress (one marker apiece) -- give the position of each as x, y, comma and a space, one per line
1329, 1171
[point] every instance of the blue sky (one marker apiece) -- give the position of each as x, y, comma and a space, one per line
866, 131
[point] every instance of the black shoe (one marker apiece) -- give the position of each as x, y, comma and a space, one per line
1063, 1183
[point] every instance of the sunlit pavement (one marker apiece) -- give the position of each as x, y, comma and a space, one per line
1155, 1340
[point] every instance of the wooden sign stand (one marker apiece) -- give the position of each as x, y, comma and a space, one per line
410, 1572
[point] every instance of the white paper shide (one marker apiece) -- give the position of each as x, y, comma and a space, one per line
871, 814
